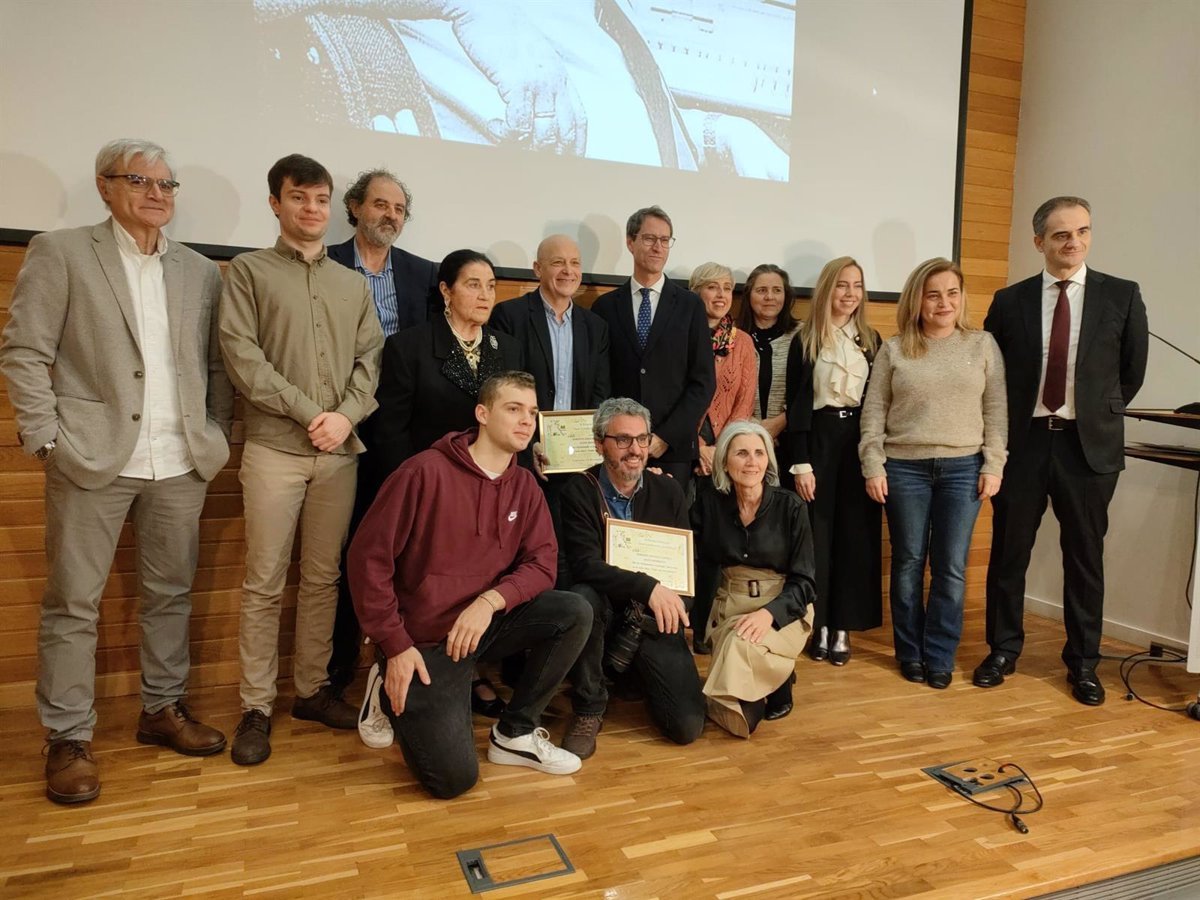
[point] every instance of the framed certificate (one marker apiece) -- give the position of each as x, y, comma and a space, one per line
567, 440
664, 554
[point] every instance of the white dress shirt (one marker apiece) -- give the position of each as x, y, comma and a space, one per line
655, 293
161, 450
1049, 301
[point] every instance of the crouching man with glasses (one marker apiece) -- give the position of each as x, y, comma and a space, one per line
649, 641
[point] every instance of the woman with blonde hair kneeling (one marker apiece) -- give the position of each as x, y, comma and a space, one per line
756, 534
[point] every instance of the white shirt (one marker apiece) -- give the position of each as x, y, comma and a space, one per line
1049, 301
161, 450
655, 293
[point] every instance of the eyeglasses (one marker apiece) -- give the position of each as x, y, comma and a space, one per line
624, 441
140, 184
650, 240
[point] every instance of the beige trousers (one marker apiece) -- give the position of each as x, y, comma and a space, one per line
280, 492
741, 670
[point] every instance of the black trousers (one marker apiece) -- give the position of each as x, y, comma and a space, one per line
663, 663
1050, 468
347, 634
552, 487
435, 732
846, 526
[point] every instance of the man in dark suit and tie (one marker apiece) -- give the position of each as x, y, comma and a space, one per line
565, 348
660, 345
403, 286
117, 385
1074, 343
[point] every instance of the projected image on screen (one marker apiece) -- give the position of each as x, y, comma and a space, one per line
684, 84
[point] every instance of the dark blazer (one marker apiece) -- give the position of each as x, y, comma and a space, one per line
415, 277
659, 502
1109, 366
674, 377
422, 396
525, 319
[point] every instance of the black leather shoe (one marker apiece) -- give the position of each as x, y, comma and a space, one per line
1086, 687
991, 672
939, 680
489, 708
839, 653
779, 701
913, 671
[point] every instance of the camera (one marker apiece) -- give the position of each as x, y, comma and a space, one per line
622, 645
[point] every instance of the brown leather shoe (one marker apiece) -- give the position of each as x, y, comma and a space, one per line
72, 775
326, 707
580, 738
173, 726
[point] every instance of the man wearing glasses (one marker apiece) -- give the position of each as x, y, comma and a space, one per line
622, 488
116, 381
660, 346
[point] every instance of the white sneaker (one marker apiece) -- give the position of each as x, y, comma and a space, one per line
533, 750
374, 727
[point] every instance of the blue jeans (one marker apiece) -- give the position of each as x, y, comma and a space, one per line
931, 509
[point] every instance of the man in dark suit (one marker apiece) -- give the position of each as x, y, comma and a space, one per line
117, 387
403, 286
660, 345
1074, 344
565, 347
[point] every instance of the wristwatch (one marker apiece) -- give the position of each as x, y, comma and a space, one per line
43, 453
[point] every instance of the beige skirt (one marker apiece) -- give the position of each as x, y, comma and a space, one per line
741, 670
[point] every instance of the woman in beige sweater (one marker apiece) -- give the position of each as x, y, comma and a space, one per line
934, 430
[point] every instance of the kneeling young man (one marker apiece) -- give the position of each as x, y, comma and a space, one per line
621, 487
453, 563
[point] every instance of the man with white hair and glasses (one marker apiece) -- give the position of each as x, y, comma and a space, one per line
118, 388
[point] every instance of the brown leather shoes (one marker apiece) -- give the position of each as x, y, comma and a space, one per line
72, 775
580, 738
173, 726
326, 707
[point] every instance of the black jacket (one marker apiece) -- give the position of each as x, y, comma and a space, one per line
674, 377
415, 278
422, 396
659, 502
525, 319
1109, 366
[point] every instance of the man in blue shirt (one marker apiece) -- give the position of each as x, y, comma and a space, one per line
403, 286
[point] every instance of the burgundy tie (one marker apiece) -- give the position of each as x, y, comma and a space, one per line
1054, 394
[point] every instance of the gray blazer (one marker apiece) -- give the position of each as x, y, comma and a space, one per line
74, 367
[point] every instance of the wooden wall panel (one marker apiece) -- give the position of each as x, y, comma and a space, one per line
992, 115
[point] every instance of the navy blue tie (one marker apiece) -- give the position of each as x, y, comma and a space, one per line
643, 322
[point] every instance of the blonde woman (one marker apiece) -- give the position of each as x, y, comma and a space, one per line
755, 535
934, 429
829, 364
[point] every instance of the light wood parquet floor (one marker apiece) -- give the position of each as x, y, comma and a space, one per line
830, 802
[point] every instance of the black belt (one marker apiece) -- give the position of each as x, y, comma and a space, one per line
838, 412
1054, 423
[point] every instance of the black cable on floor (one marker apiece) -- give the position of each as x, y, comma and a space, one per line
1132, 661
1011, 812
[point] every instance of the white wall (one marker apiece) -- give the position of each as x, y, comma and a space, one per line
1110, 111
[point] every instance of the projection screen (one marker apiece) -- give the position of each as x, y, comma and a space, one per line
786, 131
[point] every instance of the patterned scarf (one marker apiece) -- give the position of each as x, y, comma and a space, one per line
723, 335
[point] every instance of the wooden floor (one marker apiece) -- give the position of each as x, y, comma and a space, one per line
830, 802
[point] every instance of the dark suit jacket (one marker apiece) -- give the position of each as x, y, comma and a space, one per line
659, 502
1109, 366
674, 377
415, 277
419, 398
525, 319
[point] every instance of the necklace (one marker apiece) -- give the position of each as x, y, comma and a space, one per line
470, 349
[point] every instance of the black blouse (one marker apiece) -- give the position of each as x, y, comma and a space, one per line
778, 539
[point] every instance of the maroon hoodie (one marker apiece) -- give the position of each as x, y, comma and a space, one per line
439, 534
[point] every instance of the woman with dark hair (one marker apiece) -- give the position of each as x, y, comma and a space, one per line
934, 430
430, 378
754, 535
829, 363
767, 316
